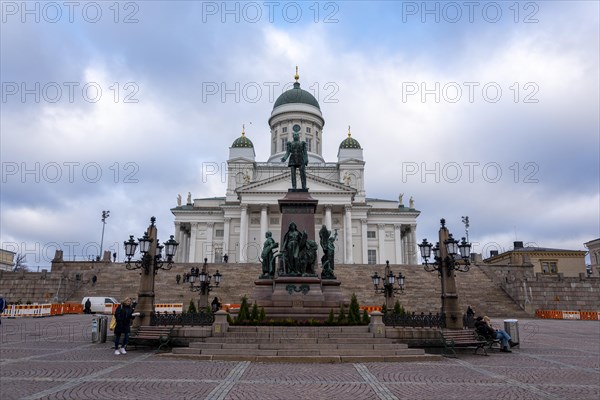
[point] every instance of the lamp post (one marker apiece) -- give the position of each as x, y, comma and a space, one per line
388, 288
448, 257
151, 261
105, 214
201, 283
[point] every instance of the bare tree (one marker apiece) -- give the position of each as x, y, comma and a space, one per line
20, 265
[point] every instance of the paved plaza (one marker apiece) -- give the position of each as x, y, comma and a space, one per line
54, 358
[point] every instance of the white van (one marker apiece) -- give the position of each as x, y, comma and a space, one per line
100, 304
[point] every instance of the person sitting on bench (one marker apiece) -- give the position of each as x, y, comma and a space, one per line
483, 326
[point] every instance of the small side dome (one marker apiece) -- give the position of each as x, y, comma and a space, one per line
349, 142
242, 141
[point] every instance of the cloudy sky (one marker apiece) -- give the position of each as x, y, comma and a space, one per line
484, 109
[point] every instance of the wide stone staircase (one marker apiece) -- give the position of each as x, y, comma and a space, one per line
301, 344
422, 289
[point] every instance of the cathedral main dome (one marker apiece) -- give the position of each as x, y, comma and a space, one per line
296, 96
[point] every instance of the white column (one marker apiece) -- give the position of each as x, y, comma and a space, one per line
264, 222
328, 216
226, 223
178, 240
193, 232
398, 243
364, 241
243, 232
185, 249
381, 244
413, 245
209, 242
348, 234
405, 248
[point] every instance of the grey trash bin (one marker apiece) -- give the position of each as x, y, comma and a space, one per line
95, 329
99, 327
511, 326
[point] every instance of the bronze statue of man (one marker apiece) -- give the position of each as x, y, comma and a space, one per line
298, 154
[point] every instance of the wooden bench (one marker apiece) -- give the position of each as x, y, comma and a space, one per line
460, 338
160, 335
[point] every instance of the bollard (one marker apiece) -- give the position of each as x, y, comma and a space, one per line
102, 328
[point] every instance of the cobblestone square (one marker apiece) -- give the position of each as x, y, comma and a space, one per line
54, 358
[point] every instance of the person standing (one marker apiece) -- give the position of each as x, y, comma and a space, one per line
87, 308
2, 307
124, 315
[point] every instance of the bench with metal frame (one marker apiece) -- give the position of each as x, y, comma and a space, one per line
160, 335
464, 338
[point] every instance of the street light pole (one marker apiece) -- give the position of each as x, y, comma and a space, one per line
149, 264
449, 256
105, 214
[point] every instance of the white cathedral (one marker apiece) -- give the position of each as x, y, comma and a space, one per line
370, 231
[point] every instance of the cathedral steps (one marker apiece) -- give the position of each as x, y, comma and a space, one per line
421, 294
302, 344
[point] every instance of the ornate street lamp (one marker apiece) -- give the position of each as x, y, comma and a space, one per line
148, 259
451, 256
201, 283
389, 280
151, 261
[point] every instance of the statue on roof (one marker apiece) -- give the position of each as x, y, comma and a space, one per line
179, 199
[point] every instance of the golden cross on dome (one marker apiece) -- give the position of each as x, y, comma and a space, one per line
349, 134
243, 130
296, 77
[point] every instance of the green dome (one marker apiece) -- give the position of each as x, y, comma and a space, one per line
242, 141
296, 95
349, 142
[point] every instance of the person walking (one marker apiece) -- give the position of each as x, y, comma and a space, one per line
124, 315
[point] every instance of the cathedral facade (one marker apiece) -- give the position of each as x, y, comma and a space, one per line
370, 231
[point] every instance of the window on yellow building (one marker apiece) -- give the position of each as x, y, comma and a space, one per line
549, 267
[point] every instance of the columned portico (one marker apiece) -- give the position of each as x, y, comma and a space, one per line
243, 233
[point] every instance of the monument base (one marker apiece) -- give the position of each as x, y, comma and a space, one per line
298, 298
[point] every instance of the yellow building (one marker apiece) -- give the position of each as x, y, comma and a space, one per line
544, 260
593, 247
7, 260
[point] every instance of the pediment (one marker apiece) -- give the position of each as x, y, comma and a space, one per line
280, 183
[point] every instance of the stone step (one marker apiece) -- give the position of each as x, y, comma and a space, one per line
307, 359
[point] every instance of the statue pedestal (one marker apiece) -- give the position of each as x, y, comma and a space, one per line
299, 298
298, 206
